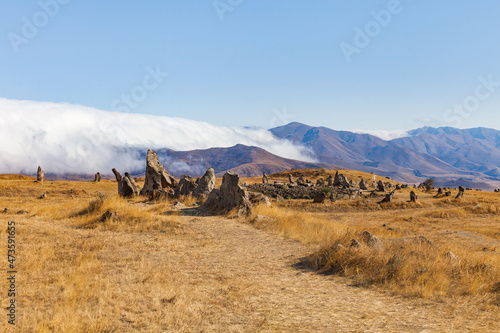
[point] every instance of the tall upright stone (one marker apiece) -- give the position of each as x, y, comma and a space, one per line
231, 194
126, 185
362, 185
117, 174
337, 181
186, 186
157, 178
97, 177
39, 175
380, 186
206, 184
265, 180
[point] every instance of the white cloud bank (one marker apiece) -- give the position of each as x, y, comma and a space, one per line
383, 134
65, 138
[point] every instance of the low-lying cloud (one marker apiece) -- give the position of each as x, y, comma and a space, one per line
72, 139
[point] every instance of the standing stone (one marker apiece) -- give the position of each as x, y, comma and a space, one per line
336, 181
413, 196
388, 197
157, 178
380, 186
344, 182
320, 182
128, 186
186, 186
265, 180
440, 191
230, 195
460, 192
362, 185
39, 175
206, 184
330, 180
97, 177
118, 175
290, 179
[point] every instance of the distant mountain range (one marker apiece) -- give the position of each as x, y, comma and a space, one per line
452, 156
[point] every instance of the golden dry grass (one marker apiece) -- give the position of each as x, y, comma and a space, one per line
469, 228
153, 269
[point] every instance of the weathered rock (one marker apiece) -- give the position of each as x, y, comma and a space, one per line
108, 216
162, 195
265, 180
157, 178
186, 186
39, 175
388, 197
301, 181
290, 179
460, 192
97, 177
370, 240
43, 196
320, 197
453, 258
330, 180
440, 191
179, 205
129, 187
280, 185
6, 211
413, 196
230, 195
126, 185
380, 186
257, 198
206, 184
343, 181
362, 185
398, 187
355, 244
22, 212
320, 182
118, 175
332, 197
336, 180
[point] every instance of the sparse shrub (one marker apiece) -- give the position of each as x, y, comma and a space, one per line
428, 184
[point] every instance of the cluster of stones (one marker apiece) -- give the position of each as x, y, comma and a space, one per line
333, 188
159, 183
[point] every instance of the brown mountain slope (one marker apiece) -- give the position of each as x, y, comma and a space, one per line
244, 160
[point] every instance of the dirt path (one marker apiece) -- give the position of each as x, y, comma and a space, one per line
251, 284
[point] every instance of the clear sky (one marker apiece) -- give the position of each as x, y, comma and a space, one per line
341, 64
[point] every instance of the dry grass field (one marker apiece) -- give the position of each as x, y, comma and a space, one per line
164, 267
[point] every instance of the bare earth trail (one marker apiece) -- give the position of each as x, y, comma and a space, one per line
251, 284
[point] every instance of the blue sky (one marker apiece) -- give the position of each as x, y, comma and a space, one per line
261, 62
